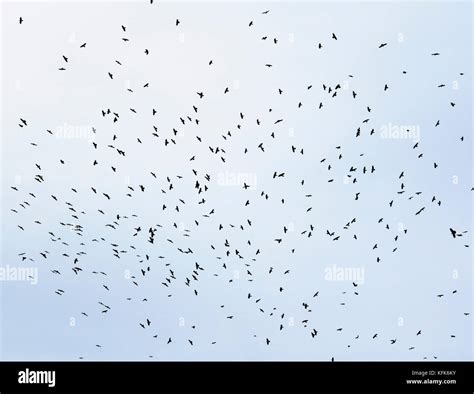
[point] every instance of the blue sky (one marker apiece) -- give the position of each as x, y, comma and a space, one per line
396, 297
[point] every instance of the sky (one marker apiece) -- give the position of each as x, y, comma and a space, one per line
395, 298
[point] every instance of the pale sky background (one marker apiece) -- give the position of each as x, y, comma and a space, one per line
398, 295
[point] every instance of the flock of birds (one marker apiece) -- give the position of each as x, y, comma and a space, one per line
77, 241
